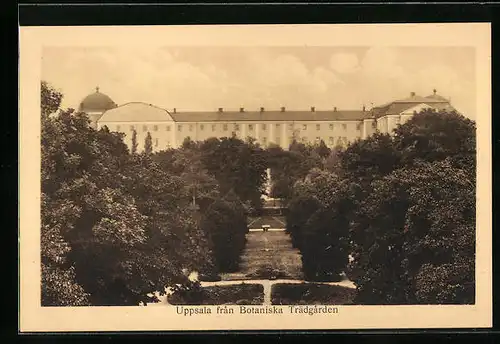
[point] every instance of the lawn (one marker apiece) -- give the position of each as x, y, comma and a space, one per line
310, 294
269, 255
239, 294
273, 221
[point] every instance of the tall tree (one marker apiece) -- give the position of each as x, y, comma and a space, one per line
238, 166
58, 283
225, 223
433, 136
148, 144
116, 223
414, 237
134, 142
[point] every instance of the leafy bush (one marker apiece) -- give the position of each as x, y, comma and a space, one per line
240, 294
267, 272
190, 292
310, 294
209, 277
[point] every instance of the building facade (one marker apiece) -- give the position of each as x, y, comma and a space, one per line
169, 128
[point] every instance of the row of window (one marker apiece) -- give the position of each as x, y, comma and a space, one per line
236, 127
331, 141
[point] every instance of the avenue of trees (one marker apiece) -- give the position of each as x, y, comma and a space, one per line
400, 207
118, 225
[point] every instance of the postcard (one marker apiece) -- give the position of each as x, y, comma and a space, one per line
255, 177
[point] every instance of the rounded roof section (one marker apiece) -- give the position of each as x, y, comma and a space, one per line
97, 102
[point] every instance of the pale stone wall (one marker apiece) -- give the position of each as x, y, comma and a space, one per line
369, 127
162, 133
171, 134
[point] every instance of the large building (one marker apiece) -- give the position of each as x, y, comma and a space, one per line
169, 128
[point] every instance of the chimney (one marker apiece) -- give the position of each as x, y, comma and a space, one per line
412, 94
261, 109
364, 108
434, 90
175, 110
221, 109
282, 109
242, 109
312, 109
334, 108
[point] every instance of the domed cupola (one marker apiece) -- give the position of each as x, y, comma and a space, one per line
95, 104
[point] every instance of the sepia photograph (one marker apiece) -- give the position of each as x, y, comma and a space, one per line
218, 182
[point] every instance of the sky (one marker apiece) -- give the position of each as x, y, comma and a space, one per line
296, 77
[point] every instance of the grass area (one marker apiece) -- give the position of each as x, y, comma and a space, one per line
270, 255
273, 221
239, 294
310, 294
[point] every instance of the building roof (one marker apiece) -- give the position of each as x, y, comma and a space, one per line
398, 106
437, 97
136, 112
277, 116
96, 102
142, 112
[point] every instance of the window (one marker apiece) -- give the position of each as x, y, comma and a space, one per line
331, 141
156, 142
236, 127
344, 126
155, 128
144, 128
117, 128
250, 127
290, 139
318, 127
224, 127
304, 126
202, 127
179, 127
290, 126
264, 140
374, 125
190, 127
213, 127
339, 141
277, 126
331, 126
358, 127
304, 139
168, 128
132, 128
263, 127
318, 139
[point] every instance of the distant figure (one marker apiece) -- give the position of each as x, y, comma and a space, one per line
265, 228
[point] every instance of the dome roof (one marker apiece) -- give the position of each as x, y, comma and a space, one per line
96, 102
